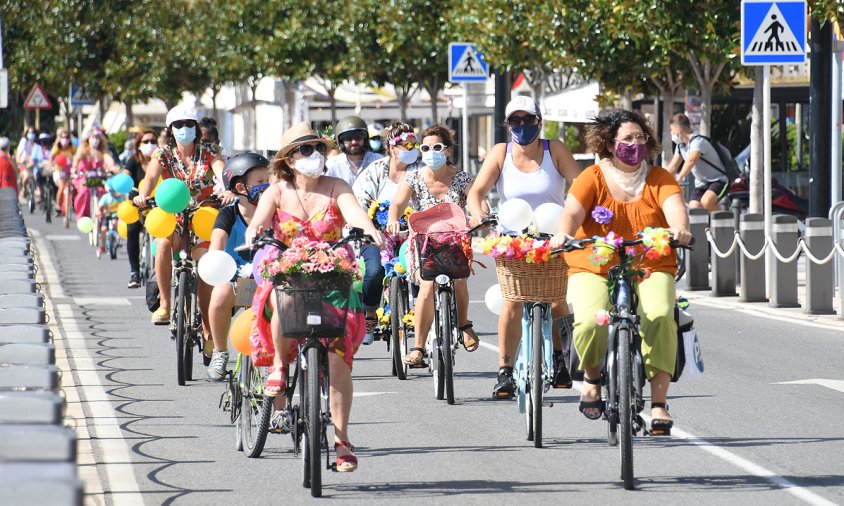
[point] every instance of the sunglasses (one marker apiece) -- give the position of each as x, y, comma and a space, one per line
437, 147
183, 123
353, 137
148, 141
515, 121
308, 149
409, 145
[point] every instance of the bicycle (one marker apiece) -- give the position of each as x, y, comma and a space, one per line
309, 314
69, 193
623, 377
145, 259
112, 241
396, 298
44, 181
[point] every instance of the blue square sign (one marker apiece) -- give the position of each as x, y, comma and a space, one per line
466, 63
773, 32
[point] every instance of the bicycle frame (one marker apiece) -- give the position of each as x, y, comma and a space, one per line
524, 360
443, 347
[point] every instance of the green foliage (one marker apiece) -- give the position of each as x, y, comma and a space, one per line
118, 139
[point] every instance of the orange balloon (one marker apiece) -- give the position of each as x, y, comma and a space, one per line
241, 328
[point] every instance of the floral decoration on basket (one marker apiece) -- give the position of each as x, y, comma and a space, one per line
521, 247
307, 261
379, 213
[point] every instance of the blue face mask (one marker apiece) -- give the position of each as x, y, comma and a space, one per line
524, 134
433, 159
254, 192
184, 135
375, 144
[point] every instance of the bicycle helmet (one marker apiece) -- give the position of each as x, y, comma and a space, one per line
347, 125
238, 165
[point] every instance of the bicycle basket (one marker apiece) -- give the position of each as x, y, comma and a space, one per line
446, 253
314, 305
539, 282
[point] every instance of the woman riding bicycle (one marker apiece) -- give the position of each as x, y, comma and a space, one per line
145, 143
196, 164
246, 175
28, 155
439, 180
91, 162
379, 181
536, 171
624, 194
307, 203
62, 146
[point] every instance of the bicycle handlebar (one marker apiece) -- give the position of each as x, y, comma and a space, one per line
268, 238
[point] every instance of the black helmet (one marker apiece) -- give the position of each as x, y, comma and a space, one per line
347, 125
239, 165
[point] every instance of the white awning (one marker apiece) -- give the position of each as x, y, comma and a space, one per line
575, 105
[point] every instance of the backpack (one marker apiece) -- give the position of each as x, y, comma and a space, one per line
726, 158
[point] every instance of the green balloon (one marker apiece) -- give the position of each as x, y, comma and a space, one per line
153, 247
172, 195
403, 254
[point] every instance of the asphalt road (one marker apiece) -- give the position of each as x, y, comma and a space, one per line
741, 435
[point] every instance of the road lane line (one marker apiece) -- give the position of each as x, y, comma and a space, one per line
792, 488
115, 453
837, 385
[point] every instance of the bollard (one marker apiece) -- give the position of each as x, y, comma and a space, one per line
723, 269
752, 272
820, 279
784, 276
697, 259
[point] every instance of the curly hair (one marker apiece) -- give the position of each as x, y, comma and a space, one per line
446, 135
603, 131
281, 168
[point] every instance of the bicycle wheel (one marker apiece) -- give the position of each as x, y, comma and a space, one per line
30, 194
113, 244
314, 431
182, 322
193, 337
398, 344
256, 409
536, 381
625, 413
446, 331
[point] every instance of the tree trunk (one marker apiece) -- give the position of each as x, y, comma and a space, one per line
331, 91
756, 184
215, 90
668, 89
254, 88
402, 99
130, 115
627, 100
706, 74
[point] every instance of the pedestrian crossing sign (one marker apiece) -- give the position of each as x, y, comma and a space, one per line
466, 63
773, 32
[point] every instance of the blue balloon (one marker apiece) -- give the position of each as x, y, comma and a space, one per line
121, 183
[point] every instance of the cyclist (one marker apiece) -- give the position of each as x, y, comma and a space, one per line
196, 164
437, 181
355, 153
318, 207
537, 171
28, 155
710, 176
636, 195
247, 176
62, 146
106, 211
375, 143
92, 161
146, 141
380, 181
8, 167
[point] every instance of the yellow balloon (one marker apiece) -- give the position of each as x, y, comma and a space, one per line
122, 229
160, 223
127, 212
152, 193
203, 222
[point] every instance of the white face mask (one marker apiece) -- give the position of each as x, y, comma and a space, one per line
94, 142
408, 157
311, 166
676, 139
147, 149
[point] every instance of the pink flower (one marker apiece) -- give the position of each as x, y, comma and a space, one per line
602, 317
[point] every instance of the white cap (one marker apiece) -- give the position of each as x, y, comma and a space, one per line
521, 103
44, 137
4, 143
181, 112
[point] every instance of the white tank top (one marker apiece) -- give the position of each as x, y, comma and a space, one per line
545, 184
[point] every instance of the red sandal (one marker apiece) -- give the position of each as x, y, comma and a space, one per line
345, 463
275, 386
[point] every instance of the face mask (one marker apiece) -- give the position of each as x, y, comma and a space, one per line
65, 142
676, 139
311, 166
30, 137
254, 192
147, 149
631, 154
94, 142
408, 157
524, 134
375, 144
433, 159
184, 135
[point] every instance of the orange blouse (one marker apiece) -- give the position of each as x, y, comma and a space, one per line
590, 189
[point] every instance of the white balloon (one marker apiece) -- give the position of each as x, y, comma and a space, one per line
515, 215
547, 217
216, 267
493, 299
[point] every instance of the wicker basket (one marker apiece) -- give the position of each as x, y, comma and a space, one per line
524, 282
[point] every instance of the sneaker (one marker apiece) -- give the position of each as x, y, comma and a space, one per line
217, 367
161, 316
134, 280
562, 379
506, 387
100, 251
370, 331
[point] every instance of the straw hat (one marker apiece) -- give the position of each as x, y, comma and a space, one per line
297, 135
443, 217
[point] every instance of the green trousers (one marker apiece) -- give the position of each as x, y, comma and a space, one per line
588, 293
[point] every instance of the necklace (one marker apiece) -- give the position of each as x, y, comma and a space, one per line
632, 183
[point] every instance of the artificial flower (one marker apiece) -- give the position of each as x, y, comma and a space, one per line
407, 319
657, 239
602, 317
602, 215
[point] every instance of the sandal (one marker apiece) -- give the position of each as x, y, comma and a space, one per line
471, 344
345, 463
275, 386
596, 404
415, 361
661, 426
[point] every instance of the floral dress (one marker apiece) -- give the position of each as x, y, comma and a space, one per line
326, 225
198, 176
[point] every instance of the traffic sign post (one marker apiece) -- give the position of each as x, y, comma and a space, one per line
466, 65
772, 33
37, 99
4, 88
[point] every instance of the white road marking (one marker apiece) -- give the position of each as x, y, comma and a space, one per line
797, 491
46, 267
101, 301
828, 383
54, 237
370, 394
